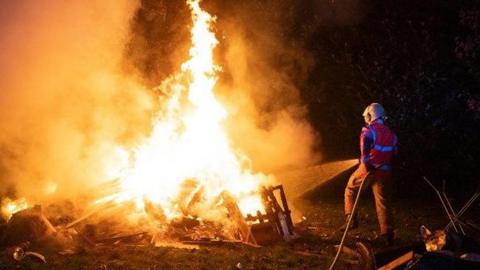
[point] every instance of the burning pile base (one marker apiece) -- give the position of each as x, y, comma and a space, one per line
31, 227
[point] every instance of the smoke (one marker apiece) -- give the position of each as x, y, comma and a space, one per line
267, 56
263, 73
64, 105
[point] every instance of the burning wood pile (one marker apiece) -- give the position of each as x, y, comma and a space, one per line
31, 227
184, 183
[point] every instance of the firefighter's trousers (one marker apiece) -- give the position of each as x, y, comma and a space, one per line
378, 181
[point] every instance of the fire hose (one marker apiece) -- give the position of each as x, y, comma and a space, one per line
340, 246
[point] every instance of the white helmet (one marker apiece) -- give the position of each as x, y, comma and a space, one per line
373, 112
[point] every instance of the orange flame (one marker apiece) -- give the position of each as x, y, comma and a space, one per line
188, 143
10, 207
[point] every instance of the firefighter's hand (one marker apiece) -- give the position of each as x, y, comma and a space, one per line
363, 169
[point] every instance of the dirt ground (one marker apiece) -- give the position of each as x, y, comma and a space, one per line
312, 250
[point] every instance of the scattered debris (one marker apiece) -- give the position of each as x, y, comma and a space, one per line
189, 232
398, 261
308, 254
28, 225
276, 224
35, 255
441, 261
348, 251
448, 249
366, 256
362, 256
118, 238
19, 253
67, 252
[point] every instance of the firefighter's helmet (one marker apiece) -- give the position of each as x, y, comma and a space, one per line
373, 112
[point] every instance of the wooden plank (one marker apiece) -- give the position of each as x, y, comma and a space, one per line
308, 254
97, 208
237, 217
398, 261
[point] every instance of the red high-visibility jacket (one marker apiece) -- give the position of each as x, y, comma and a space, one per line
377, 145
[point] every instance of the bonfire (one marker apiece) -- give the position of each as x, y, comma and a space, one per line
185, 180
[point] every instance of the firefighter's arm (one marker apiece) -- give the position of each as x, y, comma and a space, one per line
366, 144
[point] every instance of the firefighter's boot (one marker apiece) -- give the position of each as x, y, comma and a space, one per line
353, 223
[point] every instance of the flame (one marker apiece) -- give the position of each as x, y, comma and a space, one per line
50, 188
10, 207
188, 154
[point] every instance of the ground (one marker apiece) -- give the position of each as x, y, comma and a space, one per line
313, 250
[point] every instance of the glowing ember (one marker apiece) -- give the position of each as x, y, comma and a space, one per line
50, 188
187, 162
10, 207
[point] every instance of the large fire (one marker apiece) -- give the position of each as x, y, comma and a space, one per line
188, 155
187, 163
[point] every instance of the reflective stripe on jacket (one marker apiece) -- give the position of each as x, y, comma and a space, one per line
377, 145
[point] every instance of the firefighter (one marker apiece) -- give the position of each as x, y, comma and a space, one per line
377, 146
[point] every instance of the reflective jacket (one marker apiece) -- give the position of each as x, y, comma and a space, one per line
377, 145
